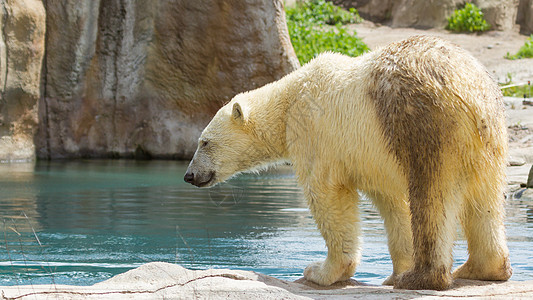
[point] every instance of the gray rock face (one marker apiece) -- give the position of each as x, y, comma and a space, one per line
423, 14
405, 13
525, 16
21, 53
500, 14
128, 78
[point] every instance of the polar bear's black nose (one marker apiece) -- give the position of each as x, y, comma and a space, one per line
189, 177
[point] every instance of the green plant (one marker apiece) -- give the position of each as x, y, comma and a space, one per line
308, 42
468, 19
308, 25
526, 51
321, 12
509, 79
519, 91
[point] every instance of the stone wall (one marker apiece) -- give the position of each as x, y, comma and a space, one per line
127, 78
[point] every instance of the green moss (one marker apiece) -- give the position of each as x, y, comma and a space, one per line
468, 19
526, 51
311, 32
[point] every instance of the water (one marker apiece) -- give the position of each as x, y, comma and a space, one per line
81, 222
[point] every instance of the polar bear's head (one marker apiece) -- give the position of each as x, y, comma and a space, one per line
226, 147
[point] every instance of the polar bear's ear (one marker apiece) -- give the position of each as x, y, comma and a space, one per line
237, 114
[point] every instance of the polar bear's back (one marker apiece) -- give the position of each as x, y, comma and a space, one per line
422, 107
439, 109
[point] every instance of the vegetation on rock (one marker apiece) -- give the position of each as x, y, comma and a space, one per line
468, 19
311, 32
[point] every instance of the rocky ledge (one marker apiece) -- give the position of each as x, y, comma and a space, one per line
520, 127
160, 280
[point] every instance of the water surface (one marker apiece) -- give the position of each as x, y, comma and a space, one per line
81, 222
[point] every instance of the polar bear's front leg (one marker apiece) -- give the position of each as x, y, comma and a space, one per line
337, 217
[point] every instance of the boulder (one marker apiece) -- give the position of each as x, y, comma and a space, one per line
423, 14
377, 11
21, 54
142, 78
500, 14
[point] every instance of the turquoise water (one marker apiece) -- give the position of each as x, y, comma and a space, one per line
81, 222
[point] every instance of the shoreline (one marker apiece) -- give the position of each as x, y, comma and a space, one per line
158, 280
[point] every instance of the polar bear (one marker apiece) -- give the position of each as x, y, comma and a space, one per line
418, 126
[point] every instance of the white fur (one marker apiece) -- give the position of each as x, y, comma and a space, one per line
321, 118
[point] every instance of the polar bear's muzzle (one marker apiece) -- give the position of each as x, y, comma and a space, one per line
200, 179
201, 171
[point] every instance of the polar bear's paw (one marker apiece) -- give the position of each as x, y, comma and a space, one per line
325, 273
429, 280
391, 279
495, 270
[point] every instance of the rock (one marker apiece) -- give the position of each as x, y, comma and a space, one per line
423, 14
517, 175
529, 183
168, 281
500, 14
518, 153
405, 13
142, 78
527, 195
516, 161
21, 54
524, 194
375, 11
525, 16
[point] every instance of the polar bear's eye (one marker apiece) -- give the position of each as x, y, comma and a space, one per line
204, 143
